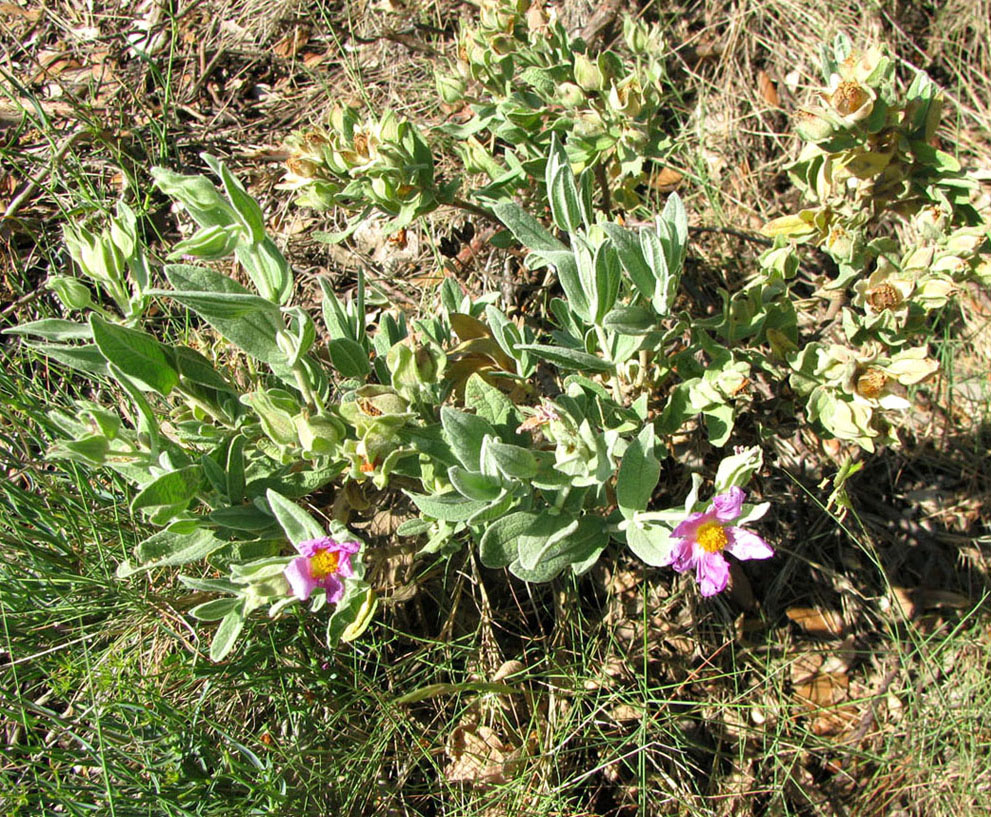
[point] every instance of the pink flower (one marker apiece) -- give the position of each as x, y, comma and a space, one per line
323, 563
700, 540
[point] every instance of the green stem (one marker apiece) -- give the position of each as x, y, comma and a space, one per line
205, 407
309, 396
474, 209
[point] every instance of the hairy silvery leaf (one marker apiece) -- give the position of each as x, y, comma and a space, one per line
297, 523
268, 269
474, 485
570, 359
245, 208
737, 469
226, 635
578, 549
137, 354
52, 329
170, 494
650, 542
168, 549
631, 258
450, 507
566, 208
198, 195
512, 461
501, 541
639, 471
252, 330
464, 433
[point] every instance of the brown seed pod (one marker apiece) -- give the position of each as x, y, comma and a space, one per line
871, 382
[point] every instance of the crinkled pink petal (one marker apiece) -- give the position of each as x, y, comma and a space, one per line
344, 567
688, 528
681, 554
745, 544
712, 573
728, 506
347, 547
334, 587
309, 547
300, 579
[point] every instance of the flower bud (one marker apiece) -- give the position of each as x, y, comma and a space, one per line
965, 241
209, 243
450, 89
587, 74
934, 292
626, 97
320, 434
812, 126
636, 35
571, 95
588, 125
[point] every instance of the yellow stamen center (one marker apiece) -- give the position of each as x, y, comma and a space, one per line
711, 537
323, 563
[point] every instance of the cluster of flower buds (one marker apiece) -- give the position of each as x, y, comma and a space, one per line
848, 389
871, 159
525, 78
870, 152
356, 161
112, 259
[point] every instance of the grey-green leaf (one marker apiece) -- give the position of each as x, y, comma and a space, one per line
638, 474
227, 633
577, 548
348, 357
651, 543
136, 354
464, 433
571, 359
173, 489
297, 523
167, 549
450, 507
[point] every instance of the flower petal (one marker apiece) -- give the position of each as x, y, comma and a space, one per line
344, 566
728, 506
689, 527
347, 547
745, 544
334, 587
681, 555
712, 573
309, 547
300, 579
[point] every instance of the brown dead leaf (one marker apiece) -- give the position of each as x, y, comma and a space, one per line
767, 89
290, 45
904, 600
823, 689
314, 58
506, 669
479, 756
932, 598
805, 665
819, 623
11, 11
623, 581
836, 721
666, 180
